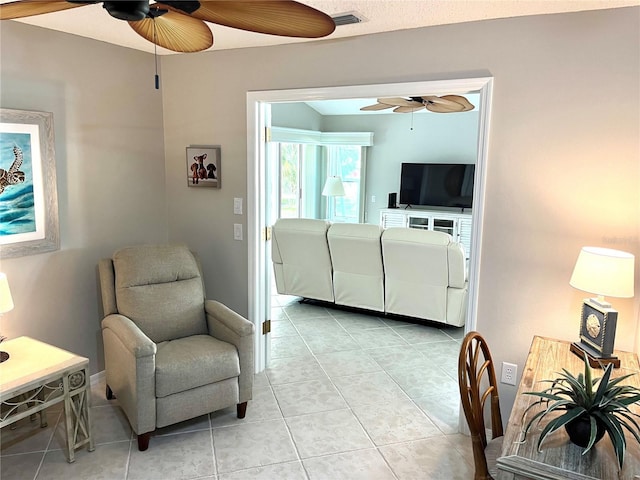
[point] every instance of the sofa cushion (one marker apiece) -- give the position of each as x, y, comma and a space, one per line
192, 362
160, 288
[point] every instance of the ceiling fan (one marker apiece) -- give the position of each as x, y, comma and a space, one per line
444, 104
179, 25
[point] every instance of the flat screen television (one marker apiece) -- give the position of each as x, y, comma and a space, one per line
437, 184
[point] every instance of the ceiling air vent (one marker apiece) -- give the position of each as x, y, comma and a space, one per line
346, 19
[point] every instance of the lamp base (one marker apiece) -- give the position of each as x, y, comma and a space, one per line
4, 356
594, 360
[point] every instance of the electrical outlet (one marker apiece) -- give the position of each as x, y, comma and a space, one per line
509, 373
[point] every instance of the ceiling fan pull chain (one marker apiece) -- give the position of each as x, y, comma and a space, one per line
155, 52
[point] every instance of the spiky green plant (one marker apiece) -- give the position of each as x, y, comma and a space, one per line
602, 400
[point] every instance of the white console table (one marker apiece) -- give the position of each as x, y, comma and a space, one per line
456, 224
38, 375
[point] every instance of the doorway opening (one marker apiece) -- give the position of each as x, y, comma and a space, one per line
260, 197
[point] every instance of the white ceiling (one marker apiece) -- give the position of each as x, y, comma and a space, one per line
378, 16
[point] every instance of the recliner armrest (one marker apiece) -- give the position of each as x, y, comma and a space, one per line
229, 326
216, 311
130, 335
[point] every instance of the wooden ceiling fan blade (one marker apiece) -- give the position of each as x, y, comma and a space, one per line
439, 108
175, 31
276, 17
407, 109
461, 100
377, 106
26, 8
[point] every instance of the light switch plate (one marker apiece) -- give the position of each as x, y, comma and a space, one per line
237, 206
237, 231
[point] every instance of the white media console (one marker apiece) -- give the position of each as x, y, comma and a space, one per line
456, 224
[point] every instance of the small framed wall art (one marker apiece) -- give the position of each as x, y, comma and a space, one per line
28, 194
204, 166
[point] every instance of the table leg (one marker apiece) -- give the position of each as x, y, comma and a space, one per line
77, 399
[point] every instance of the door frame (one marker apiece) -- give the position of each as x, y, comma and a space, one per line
258, 119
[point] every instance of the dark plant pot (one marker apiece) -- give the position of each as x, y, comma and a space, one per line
579, 431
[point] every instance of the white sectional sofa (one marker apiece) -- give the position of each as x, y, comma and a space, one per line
402, 271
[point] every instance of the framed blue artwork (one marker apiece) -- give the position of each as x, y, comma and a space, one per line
28, 192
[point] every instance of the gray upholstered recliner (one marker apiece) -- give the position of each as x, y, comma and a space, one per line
170, 355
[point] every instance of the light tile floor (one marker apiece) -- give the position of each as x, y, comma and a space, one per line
347, 396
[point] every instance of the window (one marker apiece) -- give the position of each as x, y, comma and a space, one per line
290, 174
346, 162
299, 172
303, 160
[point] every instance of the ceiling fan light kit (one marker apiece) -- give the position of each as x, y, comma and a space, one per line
180, 25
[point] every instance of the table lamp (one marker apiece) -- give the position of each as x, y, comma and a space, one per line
601, 271
6, 304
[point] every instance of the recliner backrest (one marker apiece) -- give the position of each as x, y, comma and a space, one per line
356, 255
301, 260
160, 288
416, 269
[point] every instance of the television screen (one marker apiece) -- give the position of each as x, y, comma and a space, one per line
437, 184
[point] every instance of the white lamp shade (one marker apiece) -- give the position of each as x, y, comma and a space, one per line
333, 187
603, 271
6, 302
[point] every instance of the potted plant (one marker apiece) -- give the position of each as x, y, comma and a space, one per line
591, 406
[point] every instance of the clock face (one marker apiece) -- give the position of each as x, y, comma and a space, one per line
593, 326
598, 328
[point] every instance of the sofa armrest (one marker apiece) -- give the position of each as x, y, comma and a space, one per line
229, 326
130, 364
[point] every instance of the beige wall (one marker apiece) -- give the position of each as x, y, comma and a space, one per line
110, 174
563, 168
564, 149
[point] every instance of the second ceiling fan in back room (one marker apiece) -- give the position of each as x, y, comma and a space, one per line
180, 25
444, 104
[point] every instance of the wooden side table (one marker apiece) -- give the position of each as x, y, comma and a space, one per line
37, 376
559, 458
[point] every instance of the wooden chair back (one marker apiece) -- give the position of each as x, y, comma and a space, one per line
477, 382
